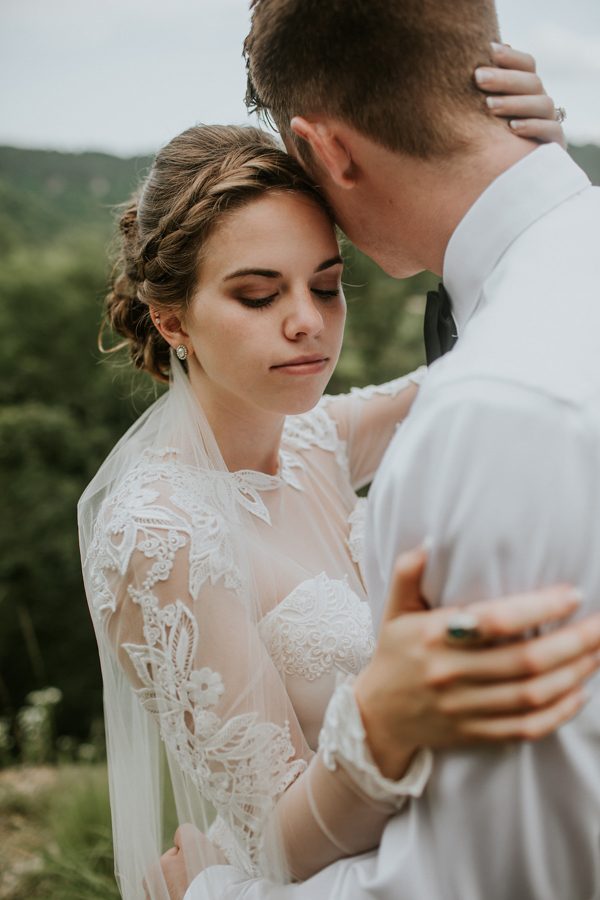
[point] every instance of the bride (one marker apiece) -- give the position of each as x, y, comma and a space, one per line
221, 546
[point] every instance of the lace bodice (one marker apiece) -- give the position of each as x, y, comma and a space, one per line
166, 584
322, 624
319, 630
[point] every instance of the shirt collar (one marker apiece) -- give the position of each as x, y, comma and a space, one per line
515, 200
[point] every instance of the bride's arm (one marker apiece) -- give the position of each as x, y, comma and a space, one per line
366, 419
188, 637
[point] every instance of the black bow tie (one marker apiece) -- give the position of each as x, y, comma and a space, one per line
439, 327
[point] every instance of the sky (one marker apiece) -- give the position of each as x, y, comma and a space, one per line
124, 76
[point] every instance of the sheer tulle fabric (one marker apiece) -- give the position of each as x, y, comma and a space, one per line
226, 607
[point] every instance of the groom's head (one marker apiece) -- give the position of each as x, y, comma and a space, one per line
393, 76
398, 71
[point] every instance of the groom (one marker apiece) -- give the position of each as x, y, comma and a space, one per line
498, 464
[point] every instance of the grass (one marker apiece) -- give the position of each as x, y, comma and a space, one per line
55, 834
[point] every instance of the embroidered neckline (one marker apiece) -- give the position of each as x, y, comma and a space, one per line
289, 464
315, 428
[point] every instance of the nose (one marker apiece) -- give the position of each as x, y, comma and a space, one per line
303, 316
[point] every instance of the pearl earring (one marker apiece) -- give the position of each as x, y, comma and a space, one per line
181, 351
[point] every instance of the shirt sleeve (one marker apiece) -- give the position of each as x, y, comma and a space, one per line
494, 477
367, 418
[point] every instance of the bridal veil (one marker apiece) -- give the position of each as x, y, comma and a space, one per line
199, 728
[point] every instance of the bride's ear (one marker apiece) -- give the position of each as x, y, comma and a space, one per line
328, 149
170, 326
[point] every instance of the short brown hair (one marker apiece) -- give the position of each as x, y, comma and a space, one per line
397, 71
199, 176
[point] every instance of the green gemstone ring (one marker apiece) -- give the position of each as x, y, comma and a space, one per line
463, 628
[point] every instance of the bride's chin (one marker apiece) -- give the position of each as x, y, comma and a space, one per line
295, 406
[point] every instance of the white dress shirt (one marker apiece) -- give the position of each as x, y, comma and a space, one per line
498, 465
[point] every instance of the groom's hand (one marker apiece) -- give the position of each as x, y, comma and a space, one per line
420, 691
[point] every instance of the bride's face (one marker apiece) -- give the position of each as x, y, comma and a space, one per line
266, 321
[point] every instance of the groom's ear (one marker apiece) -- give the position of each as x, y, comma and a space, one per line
328, 149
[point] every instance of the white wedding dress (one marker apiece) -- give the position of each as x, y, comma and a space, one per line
238, 691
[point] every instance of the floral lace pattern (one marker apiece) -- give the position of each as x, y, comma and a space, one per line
163, 507
321, 625
312, 429
241, 764
390, 388
135, 516
343, 740
174, 575
357, 520
315, 429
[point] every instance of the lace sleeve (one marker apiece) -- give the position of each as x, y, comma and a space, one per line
172, 599
366, 419
189, 645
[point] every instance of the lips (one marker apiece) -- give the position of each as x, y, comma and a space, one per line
302, 361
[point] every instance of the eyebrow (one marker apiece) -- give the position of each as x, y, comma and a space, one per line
271, 273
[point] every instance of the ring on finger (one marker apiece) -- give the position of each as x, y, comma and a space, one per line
560, 114
462, 630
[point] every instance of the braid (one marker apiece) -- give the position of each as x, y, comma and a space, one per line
196, 179
125, 312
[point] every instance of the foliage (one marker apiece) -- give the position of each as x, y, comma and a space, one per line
64, 826
62, 407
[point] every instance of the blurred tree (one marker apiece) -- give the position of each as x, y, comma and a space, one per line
45, 637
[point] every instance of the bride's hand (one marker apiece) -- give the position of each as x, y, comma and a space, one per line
420, 691
178, 867
514, 92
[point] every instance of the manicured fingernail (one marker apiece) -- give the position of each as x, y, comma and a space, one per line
515, 124
494, 102
427, 545
497, 48
483, 76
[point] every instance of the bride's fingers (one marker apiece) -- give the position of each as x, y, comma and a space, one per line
546, 131
525, 658
530, 727
508, 58
512, 616
521, 696
529, 106
508, 81
405, 587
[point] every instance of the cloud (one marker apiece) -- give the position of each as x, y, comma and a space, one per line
568, 53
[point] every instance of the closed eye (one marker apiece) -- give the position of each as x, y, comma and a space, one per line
258, 302
262, 302
326, 295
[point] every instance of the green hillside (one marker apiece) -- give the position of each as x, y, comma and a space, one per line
45, 193
588, 157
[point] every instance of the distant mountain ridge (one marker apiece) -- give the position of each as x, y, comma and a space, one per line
46, 192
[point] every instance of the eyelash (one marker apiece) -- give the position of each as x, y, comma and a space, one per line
263, 302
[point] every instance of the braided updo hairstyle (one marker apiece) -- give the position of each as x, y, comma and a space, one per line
198, 177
